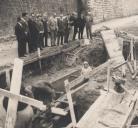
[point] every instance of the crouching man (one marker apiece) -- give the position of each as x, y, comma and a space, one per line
44, 92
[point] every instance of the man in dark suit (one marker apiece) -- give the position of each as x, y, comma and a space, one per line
40, 32
24, 22
67, 28
32, 33
81, 24
21, 37
61, 29
74, 23
45, 24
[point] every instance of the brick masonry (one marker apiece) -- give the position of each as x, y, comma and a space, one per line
102, 10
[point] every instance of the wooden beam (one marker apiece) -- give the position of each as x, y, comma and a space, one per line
8, 80
108, 76
35, 103
71, 106
15, 88
21, 98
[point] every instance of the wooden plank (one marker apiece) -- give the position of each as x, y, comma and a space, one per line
15, 88
108, 76
112, 46
107, 112
35, 103
8, 81
48, 52
21, 98
71, 106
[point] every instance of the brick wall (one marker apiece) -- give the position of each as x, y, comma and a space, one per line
103, 10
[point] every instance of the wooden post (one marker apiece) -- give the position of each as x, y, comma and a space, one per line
130, 67
8, 80
124, 70
135, 57
108, 75
132, 50
15, 88
69, 97
39, 55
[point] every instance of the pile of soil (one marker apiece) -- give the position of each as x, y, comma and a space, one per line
95, 54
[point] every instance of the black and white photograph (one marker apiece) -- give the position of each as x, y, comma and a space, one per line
68, 64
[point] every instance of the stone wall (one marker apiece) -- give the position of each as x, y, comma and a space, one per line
10, 9
103, 10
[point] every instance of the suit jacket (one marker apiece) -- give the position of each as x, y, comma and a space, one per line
61, 25
81, 22
67, 24
45, 24
32, 29
25, 25
20, 33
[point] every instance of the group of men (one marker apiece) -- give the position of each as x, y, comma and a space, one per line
35, 29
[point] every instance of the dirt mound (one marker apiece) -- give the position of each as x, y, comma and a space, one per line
95, 53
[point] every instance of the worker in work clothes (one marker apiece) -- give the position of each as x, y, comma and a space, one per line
86, 70
89, 22
42, 91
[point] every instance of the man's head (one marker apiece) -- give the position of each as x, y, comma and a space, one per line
82, 16
86, 64
32, 16
45, 16
54, 15
25, 15
74, 14
89, 13
61, 16
18, 19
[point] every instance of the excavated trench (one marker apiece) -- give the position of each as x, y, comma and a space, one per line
95, 54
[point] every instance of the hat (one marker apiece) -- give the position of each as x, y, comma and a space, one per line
85, 62
61, 15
